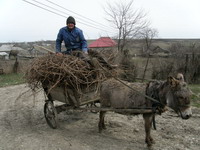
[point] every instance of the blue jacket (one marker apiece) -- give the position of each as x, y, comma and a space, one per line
73, 40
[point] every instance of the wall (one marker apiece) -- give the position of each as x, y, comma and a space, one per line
8, 65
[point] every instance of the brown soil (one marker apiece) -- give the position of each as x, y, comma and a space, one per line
23, 127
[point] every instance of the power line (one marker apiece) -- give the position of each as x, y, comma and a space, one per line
64, 15
44, 8
62, 12
77, 13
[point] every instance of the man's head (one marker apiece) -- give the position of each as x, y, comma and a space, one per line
70, 22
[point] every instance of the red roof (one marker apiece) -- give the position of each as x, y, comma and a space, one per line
103, 42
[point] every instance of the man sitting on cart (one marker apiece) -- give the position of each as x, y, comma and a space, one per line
73, 38
75, 43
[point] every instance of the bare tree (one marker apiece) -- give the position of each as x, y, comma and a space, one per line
128, 21
148, 34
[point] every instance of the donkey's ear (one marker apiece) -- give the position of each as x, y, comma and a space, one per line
172, 81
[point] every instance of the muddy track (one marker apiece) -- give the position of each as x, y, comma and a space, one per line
23, 127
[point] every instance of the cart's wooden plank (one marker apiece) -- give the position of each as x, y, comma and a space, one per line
65, 107
133, 110
137, 110
90, 101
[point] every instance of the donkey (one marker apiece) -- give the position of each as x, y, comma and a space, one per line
172, 93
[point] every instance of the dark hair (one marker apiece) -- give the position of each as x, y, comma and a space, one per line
70, 19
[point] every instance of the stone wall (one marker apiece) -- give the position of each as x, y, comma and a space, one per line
8, 65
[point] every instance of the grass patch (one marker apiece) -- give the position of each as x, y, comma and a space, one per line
196, 94
11, 79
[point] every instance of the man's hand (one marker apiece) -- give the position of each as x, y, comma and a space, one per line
59, 54
85, 52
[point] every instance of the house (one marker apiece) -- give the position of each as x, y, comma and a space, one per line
4, 55
11, 50
6, 48
102, 43
158, 49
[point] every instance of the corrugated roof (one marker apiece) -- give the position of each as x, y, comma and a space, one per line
3, 54
8, 48
103, 42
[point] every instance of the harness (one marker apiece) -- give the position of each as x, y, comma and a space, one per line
157, 106
155, 101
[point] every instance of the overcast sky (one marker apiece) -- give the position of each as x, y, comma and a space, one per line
21, 21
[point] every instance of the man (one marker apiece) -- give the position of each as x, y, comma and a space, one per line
73, 38
74, 41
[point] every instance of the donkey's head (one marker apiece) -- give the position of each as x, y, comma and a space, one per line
178, 97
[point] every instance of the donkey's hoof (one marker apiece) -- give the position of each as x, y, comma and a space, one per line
152, 141
150, 147
100, 130
149, 143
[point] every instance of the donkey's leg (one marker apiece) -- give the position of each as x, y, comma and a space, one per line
147, 124
101, 121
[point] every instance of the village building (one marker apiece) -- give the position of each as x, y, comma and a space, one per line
103, 43
10, 51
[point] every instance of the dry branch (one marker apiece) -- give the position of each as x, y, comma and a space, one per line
67, 71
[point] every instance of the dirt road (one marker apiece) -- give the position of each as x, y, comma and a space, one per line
23, 127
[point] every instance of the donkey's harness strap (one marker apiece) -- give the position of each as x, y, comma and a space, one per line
158, 104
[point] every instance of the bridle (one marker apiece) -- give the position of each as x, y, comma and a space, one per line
179, 106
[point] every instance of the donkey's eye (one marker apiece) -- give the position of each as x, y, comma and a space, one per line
187, 101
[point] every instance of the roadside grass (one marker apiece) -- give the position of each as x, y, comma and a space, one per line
11, 79
196, 94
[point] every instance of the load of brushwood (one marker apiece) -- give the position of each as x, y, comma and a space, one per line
64, 71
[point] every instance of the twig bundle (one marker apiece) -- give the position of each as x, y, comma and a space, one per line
68, 71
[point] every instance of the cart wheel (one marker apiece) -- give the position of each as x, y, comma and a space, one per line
50, 114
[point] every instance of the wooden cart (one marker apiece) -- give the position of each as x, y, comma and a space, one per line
70, 98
